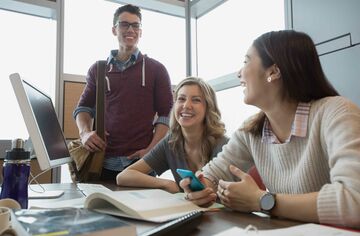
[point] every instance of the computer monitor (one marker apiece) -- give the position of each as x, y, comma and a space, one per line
42, 124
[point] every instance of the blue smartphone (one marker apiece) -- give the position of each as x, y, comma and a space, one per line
195, 184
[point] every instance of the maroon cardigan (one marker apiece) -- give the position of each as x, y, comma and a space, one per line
130, 107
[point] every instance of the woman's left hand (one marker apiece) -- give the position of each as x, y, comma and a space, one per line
240, 196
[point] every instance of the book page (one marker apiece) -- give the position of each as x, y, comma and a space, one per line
151, 204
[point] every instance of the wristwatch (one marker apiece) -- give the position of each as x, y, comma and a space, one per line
267, 202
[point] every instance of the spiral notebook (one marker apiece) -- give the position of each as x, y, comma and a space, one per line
181, 226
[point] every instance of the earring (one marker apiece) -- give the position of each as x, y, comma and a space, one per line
269, 79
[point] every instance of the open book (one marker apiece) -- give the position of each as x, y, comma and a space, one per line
152, 205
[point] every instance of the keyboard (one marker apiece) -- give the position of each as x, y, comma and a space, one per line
179, 226
87, 189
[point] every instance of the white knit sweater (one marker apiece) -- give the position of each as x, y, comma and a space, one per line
326, 161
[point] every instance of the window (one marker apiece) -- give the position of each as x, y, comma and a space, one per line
233, 110
88, 37
87, 33
224, 35
164, 40
28, 47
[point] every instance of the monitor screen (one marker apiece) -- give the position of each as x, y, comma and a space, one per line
42, 124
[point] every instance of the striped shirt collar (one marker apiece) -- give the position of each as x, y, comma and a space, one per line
298, 128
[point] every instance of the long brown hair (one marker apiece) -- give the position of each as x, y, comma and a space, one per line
214, 128
302, 76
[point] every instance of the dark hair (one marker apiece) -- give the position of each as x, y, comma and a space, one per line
302, 76
127, 8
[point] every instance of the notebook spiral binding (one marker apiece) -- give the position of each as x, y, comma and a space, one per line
187, 223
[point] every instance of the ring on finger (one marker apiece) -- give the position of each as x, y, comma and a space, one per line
222, 191
186, 196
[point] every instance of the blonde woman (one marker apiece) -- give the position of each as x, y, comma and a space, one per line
196, 135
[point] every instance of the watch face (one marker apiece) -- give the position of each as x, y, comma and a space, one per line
267, 202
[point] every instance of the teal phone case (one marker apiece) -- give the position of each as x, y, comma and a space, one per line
195, 184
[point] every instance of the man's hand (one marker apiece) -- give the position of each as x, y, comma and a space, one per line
138, 154
92, 141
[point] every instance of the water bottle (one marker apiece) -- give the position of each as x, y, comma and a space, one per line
16, 170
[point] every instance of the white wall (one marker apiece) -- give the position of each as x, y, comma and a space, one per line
334, 27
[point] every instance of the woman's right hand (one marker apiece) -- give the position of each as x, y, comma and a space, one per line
202, 198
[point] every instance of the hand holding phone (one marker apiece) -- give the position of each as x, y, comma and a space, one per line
195, 184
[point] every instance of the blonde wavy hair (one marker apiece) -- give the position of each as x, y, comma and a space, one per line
214, 128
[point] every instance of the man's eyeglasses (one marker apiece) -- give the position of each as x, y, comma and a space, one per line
124, 25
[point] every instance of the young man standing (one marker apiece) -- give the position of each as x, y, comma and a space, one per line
137, 89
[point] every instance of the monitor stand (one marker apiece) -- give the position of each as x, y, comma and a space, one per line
36, 192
